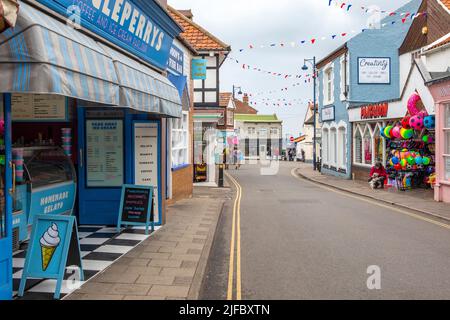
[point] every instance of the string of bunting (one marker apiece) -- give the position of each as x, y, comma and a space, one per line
366, 9
272, 73
314, 40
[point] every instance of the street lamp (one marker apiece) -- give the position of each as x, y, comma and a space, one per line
234, 91
305, 68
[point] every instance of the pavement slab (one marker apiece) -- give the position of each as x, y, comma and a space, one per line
171, 263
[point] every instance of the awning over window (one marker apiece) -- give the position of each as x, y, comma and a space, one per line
143, 89
8, 14
43, 55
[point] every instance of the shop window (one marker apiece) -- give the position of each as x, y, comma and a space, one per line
333, 146
367, 142
325, 146
378, 145
2, 185
230, 118
221, 121
358, 145
342, 148
180, 141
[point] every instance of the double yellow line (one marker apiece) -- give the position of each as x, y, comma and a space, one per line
235, 246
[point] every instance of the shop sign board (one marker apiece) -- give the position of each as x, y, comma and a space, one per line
199, 69
53, 248
146, 159
55, 201
104, 153
39, 107
374, 70
136, 207
176, 61
328, 113
374, 111
122, 22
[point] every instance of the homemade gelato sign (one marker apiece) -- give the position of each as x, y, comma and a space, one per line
374, 70
53, 249
136, 207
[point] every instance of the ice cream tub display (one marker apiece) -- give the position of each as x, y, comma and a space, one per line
48, 186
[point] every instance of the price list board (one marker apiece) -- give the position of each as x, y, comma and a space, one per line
104, 153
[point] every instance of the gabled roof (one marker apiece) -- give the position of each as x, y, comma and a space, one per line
445, 3
243, 107
198, 37
224, 99
257, 118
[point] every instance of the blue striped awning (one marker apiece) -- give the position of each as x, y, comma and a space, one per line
143, 89
44, 55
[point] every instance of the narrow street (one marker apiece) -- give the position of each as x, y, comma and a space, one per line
302, 241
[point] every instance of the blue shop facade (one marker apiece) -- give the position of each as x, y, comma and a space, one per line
85, 103
365, 70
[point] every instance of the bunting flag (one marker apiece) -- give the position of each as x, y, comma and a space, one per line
366, 9
248, 67
313, 40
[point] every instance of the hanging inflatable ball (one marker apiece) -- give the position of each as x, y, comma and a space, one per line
398, 167
387, 132
396, 132
395, 160
419, 160
426, 161
405, 122
416, 122
411, 160
406, 133
403, 163
429, 122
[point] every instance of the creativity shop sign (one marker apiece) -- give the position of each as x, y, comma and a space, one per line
121, 22
53, 249
136, 207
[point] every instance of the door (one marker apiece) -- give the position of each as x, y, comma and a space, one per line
101, 165
5, 203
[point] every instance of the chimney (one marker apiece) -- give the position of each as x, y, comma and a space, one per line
187, 13
163, 3
245, 98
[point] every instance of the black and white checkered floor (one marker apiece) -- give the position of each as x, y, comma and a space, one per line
100, 246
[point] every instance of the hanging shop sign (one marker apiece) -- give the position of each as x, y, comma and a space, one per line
53, 248
374, 70
146, 155
176, 61
122, 22
136, 207
374, 111
328, 113
104, 153
199, 69
39, 107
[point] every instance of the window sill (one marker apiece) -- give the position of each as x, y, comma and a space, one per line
362, 165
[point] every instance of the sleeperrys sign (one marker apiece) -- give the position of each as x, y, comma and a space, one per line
121, 22
374, 111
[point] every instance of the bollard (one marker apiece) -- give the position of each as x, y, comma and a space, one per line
220, 175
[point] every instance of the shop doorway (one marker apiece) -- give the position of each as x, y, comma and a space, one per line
5, 203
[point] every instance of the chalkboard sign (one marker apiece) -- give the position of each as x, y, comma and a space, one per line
136, 207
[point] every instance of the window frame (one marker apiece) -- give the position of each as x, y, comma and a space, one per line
184, 130
328, 84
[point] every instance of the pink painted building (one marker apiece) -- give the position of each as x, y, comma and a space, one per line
437, 58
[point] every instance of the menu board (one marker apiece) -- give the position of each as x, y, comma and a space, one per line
136, 202
38, 107
146, 158
104, 153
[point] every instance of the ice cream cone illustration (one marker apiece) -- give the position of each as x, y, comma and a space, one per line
49, 242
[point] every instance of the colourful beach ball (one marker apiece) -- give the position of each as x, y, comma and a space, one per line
426, 161
395, 160
387, 132
403, 163
429, 122
396, 132
406, 133
416, 122
405, 122
419, 160
411, 160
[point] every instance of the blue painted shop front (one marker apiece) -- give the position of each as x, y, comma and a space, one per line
117, 111
371, 74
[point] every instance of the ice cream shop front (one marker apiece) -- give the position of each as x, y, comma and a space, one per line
84, 105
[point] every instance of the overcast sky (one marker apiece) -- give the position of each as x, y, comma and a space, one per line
240, 23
